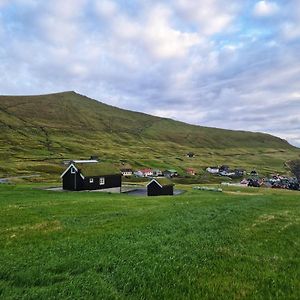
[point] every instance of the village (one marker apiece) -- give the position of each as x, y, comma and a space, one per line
93, 174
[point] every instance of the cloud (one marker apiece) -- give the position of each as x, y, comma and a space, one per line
210, 17
205, 62
265, 9
162, 40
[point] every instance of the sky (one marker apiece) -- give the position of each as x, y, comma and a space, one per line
229, 64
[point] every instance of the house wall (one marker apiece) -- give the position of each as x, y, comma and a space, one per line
153, 189
72, 182
111, 181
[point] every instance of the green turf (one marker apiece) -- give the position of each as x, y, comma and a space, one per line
200, 245
38, 132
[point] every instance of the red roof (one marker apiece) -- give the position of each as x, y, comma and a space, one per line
146, 171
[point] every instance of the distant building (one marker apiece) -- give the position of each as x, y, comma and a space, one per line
170, 173
212, 170
253, 173
191, 171
159, 187
157, 173
144, 173
239, 172
224, 168
147, 172
90, 176
138, 173
190, 154
127, 172
80, 161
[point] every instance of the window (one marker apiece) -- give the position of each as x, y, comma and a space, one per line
102, 181
91, 180
72, 170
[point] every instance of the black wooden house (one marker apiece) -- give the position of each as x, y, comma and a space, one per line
159, 187
91, 176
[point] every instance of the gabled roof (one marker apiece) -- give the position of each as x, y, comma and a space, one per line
162, 181
94, 169
87, 161
146, 170
67, 169
171, 171
126, 170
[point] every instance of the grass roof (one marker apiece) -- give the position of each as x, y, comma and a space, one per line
164, 181
172, 170
97, 169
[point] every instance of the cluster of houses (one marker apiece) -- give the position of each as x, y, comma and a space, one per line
94, 175
274, 181
149, 173
225, 170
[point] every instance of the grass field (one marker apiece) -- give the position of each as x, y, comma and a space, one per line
200, 245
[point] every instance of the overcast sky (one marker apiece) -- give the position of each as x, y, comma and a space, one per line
230, 64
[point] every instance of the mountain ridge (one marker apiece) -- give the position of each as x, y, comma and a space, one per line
68, 124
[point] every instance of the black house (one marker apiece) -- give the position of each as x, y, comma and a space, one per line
190, 154
224, 168
160, 186
91, 176
239, 172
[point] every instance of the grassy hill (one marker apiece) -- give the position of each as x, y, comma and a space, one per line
38, 132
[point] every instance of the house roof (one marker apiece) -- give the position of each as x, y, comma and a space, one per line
87, 161
162, 181
126, 170
146, 170
171, 171
97, 169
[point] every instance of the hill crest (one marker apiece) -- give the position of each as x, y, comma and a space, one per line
69, 125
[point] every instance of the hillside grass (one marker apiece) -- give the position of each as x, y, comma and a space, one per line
239, 244
38, 132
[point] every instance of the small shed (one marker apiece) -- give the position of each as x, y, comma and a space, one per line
91, 176
190, 154
160, 186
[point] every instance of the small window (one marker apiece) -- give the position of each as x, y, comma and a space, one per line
73, 170
102, 181
91, 180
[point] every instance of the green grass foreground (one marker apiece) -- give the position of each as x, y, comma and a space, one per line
200, 245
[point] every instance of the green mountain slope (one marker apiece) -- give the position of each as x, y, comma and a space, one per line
38, 132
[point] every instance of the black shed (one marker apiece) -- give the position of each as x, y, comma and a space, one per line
160, 186
91, 176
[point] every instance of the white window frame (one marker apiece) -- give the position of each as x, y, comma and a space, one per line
91, 180
73, 171
102, 181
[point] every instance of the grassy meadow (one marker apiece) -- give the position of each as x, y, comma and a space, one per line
239, 244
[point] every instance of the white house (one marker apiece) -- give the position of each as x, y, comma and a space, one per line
127, 172
212, 170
